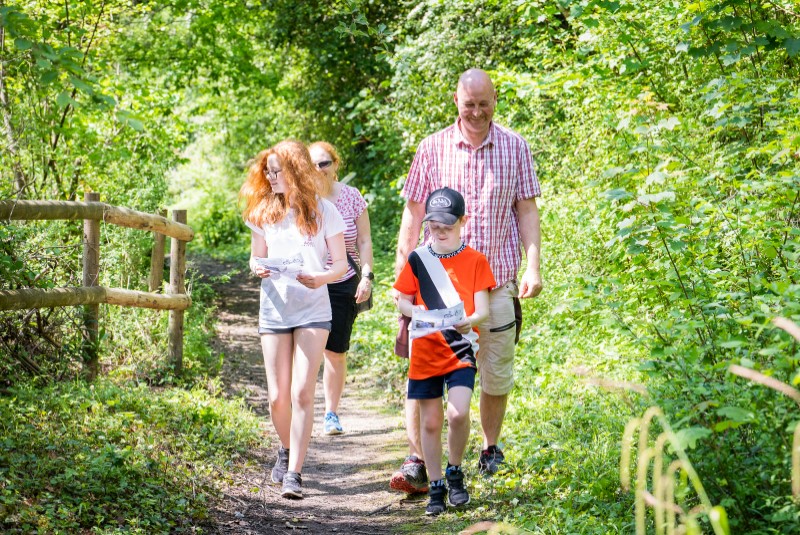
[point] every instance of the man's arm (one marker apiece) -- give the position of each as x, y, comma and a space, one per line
410, 226
531, 236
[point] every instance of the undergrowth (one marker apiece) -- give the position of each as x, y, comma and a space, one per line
116, 457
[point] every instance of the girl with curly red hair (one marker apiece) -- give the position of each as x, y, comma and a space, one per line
293, 232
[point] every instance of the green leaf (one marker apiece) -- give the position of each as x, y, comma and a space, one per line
730, 344
610, 6
730, 59
677, 245
656, 177
81, 85
612, 172
64, 99
656, 198
22, 44
48, 77
627, 222
729, 23
689, 437
617, 194
736, 414
130, 120
792, 47
669, 124
773, 29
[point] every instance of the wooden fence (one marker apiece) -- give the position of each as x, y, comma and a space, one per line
91, 295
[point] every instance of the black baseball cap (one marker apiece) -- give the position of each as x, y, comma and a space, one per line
444, 205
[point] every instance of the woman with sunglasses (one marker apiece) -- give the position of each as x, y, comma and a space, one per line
294, 233
347, 290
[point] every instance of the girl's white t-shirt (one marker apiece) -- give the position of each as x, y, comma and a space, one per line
284, 301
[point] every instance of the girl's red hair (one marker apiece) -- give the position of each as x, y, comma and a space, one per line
262, 205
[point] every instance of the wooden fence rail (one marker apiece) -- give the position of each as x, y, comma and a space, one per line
91, 295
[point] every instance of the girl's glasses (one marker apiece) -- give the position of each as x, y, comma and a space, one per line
272, 175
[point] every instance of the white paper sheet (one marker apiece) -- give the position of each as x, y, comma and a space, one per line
425, 322
291, 264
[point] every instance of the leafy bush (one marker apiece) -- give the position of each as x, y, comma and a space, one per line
110, 457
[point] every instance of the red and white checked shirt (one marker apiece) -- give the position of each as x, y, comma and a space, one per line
491, 177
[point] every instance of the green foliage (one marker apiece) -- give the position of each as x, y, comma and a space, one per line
113, 457
135, 346
666, 140
691, 196
42, 344
220, 221
372, 342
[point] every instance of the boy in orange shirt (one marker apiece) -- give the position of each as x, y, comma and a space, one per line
434, 277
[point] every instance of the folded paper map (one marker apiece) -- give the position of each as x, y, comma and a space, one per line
425, 322
282, 265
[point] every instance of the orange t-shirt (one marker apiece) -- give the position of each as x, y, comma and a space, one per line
442, 352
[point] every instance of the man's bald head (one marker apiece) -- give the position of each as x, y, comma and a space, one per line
474, 78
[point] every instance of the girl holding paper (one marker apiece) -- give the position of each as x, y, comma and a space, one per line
288, 219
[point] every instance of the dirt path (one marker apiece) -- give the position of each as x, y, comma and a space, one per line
345, 478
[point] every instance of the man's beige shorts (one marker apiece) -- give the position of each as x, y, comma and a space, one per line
496, 342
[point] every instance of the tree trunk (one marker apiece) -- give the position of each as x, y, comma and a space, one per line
13, 148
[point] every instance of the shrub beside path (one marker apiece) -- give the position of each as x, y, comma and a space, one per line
345, 478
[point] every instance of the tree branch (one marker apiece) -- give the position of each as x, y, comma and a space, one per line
785, 10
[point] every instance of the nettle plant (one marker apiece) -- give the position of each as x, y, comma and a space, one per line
705, 241
667, 483
704, 255
659, 490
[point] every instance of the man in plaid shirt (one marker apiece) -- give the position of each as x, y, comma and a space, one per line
491, 166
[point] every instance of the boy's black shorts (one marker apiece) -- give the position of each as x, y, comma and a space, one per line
433, 387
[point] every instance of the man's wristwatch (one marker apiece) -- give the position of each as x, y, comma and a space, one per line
370, 276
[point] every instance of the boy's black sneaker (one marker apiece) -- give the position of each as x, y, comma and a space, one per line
491, 460
292, 485
281, 465
457, 494
436, 505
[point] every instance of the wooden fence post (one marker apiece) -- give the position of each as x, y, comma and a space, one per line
91, 275
177, 268
157, 259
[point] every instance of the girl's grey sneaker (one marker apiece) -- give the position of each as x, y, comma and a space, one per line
436, 492
457, 494
332, 425
292, 485
281, 465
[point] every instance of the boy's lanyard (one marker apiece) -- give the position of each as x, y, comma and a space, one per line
441, 280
